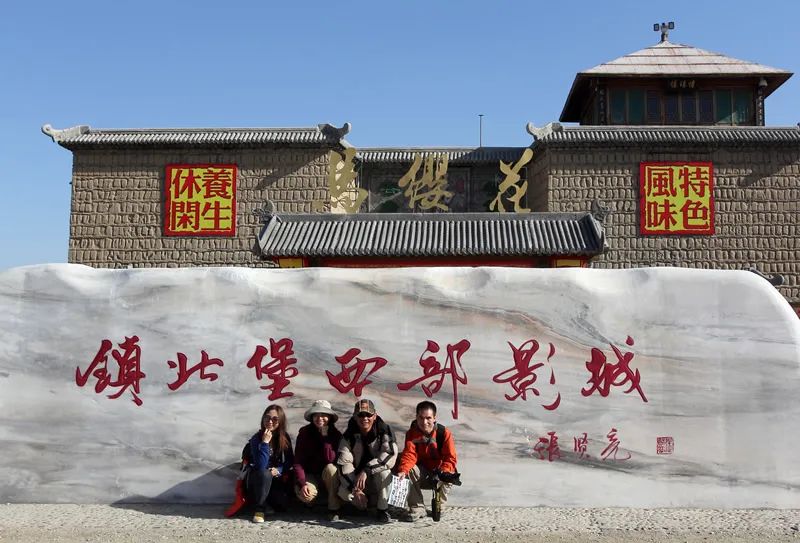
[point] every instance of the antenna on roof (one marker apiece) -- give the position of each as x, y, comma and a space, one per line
664, 28
480, 129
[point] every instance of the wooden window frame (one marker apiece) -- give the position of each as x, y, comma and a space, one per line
681, 96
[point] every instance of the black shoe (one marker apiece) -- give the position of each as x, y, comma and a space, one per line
382, 515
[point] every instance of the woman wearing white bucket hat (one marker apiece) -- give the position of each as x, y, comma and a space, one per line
315, 457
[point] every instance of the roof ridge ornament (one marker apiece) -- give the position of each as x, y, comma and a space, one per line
67, 133
339, 133
600, 210
546, 130
265, 214
664, 28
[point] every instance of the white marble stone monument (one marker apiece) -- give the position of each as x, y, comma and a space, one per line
652, 387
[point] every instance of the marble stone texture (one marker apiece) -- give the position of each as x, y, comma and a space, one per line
717, 355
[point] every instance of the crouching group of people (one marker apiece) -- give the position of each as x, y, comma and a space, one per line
353, 467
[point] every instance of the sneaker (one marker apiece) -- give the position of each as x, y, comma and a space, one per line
382, 515
258, 518
333, 516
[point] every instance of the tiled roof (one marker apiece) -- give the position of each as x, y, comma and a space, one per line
669, 60
457, 155
432, 235
84, 136
694, 135
673, 59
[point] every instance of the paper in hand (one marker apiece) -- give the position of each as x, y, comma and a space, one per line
398, 491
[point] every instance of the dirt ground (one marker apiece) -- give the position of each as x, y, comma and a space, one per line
29, 523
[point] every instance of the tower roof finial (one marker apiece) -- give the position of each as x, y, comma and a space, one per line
664, 28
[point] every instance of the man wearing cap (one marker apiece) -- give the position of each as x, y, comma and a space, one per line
367, 453
429, 450
314, 457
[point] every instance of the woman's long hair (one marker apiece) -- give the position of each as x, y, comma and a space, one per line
280, 438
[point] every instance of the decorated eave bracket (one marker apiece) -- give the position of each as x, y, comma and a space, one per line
65, 134
543, 132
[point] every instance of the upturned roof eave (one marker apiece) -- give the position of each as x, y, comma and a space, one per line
85, 137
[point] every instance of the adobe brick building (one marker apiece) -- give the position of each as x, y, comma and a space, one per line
118, 183
584, 199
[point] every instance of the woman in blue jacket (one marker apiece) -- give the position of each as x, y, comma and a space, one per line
270, 459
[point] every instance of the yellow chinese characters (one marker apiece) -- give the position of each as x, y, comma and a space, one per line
510, 182
429, 189
200, 200
346, 197
676, 198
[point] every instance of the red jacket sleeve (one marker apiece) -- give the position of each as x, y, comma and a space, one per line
408, 458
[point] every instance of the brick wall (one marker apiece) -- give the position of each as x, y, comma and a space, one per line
117, 211
757, 193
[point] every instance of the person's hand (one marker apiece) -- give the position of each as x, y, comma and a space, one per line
361, 482
306, 491
401, 475
359, 499
266, 437
274, 471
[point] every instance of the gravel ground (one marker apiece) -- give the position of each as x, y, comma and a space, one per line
30, 523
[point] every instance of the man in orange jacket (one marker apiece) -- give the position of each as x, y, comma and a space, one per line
429, 448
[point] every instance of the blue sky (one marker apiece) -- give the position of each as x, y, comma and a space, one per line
404, 73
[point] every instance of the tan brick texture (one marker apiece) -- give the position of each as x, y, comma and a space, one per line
117, 215
757, 206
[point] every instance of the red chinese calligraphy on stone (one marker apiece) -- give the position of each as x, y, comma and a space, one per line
129, 372
353, 378
665, 445
522, 376
431, 368
279, 370
613, 447
605, 374
547, 447
184, 373
581, 445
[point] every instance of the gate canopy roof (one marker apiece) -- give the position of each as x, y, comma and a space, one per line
432, 235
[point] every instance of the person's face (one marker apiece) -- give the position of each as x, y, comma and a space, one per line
272, 420
426, 420
365, 422
320, 420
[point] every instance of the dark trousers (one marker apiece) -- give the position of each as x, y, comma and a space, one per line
264, 489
